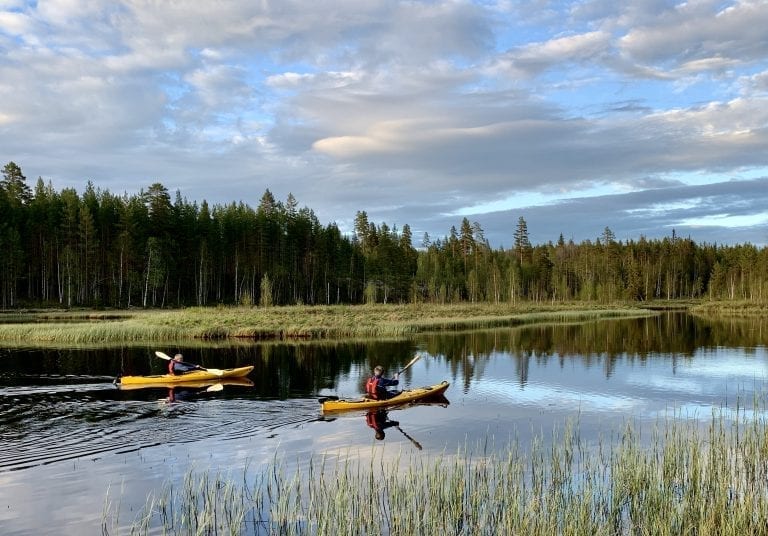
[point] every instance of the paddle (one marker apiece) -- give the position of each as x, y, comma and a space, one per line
217, 372
416, 443
411, 362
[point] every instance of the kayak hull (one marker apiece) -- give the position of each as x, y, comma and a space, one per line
405, 397
194, 376
196, 384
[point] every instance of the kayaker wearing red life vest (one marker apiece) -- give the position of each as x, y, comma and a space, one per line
376, 386
177, 366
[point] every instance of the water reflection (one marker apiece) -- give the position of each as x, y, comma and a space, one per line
675, 337
379, 420
293, 370
187, 394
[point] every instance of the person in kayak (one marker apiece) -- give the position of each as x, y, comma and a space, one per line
376, 386
178, 366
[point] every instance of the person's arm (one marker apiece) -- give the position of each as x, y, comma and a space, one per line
187, 367
387, 382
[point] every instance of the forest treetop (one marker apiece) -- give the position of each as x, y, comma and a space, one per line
147, 250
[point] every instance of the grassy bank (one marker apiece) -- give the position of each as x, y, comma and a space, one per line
748, 309
684, 480
285, 323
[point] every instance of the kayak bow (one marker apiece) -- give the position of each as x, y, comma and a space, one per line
404, 397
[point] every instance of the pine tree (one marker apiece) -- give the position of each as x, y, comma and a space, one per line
521, 240
14, 185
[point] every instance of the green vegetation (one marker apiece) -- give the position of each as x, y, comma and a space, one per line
683, 480
739, 308
294, 322
97, 249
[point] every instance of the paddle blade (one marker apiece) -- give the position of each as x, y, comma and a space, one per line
161, 355
217, 372
215, 388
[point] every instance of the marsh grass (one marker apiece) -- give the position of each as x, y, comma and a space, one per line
292, 323
322, 322
684, 479
737, 308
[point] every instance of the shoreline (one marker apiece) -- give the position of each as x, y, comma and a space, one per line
301, 323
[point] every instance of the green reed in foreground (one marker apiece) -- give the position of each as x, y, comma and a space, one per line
683, 480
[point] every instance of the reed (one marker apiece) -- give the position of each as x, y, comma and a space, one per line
294, 322
734, 308
684, 479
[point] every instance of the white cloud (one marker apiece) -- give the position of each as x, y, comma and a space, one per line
708, 64
387, 106
330, 79
219, 86
754, 84
727, 220
14, 23
581, 47
696, 31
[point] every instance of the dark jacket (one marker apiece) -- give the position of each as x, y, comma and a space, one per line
376, 387
180, 367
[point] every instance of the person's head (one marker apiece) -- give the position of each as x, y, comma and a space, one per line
178, 357
378, 370
379, 434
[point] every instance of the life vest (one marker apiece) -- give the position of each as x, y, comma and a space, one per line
170, 368
372, 387
372, 421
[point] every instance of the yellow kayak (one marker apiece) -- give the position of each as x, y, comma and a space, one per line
193, 376
195, 384
404, 397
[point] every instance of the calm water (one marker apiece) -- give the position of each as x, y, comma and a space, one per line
70, 441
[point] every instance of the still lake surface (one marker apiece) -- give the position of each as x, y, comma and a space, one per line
71, 442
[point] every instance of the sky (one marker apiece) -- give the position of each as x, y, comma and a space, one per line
645, 116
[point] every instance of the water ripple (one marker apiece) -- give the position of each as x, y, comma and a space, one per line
44, 424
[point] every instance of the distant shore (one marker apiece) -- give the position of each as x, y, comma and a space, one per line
315, 322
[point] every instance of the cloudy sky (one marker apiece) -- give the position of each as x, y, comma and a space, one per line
644, 115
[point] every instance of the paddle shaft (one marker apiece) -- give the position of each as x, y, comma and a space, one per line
161, 355
416, 443
411, 362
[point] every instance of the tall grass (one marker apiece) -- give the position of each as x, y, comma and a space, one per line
733, 308
295, 322
682, 480
321, 322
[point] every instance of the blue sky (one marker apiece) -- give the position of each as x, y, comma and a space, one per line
643, 116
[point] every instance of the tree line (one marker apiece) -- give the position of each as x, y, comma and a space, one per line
98, 249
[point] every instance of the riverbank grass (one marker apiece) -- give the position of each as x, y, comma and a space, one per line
681, 481
286, 323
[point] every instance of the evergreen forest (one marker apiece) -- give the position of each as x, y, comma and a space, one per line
98, 249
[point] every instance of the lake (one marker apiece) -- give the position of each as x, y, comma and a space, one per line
72, 443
